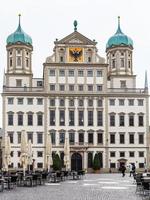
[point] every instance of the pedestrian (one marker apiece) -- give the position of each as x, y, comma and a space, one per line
130, 170
123, 169
133, 169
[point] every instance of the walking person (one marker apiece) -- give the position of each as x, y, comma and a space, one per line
133, 169
130, 170
123, 169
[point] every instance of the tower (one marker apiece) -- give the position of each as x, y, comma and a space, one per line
119, 53
19, 59
119, 49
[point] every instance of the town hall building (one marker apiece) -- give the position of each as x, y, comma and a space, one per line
94, 100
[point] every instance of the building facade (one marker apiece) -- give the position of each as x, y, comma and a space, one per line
95, 101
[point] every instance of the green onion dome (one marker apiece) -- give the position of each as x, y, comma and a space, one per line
119, 39
19, 36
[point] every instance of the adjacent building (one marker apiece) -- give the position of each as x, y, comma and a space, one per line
95, 101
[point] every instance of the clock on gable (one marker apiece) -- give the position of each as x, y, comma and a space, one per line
75, 54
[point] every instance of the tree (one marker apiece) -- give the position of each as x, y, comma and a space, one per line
96, 162
56, 162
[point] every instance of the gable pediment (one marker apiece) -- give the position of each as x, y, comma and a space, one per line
76, 38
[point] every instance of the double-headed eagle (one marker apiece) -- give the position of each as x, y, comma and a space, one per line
75, 53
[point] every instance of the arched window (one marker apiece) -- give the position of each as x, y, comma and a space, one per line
62, 158
113, 64
90, 160
100, 155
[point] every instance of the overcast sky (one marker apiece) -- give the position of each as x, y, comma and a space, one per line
46, 20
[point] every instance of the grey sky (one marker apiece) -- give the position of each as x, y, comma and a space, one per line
46, 20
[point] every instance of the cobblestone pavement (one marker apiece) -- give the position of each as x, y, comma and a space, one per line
92, 187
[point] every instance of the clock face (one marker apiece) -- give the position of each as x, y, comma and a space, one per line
75, 54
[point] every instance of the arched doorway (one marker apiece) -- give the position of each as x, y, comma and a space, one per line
76, 162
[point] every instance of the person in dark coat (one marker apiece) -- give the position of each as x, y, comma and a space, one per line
123, 169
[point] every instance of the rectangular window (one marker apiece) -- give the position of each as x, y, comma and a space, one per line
80, 87
90, 102
39, 138
81, 138
131, 102
10, 119
30, 119
131, 120
140, 102
52, 102
112, 120
71, 117
20, 101
90, 87
122, 138
90, 118
121, 120
61, 73
71, 87
61, 138
72, 138
30, 101
71, 102
112, 102
20, 119
30, 136
52, 117
99, 87
141, 138
39, 83
53, 137
141, 120
62, 102
112, 154
122, 84
90, 73
99, 118
121, 102
71, 73
80, 73
62, 118
99, 73
131, 138
141, 154
11, 136
81, 117
19, 137
131, 154
112, 138
39, 101
141, 165
52, 72
10, 100
90, 138
40, 165
122, 154
52, 87
18, 82
99, 138
99, 103
40, 154
40, 119
62, 87
81, 102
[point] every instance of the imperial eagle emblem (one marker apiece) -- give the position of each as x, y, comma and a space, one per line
75, 53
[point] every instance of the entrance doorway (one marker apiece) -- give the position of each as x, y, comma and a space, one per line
76, 162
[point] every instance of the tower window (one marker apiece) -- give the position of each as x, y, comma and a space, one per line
19, 83
129, 64
113, 64
61, 59
89, 59
18, 61
10, 62
122, 62
122, 84
27, 62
